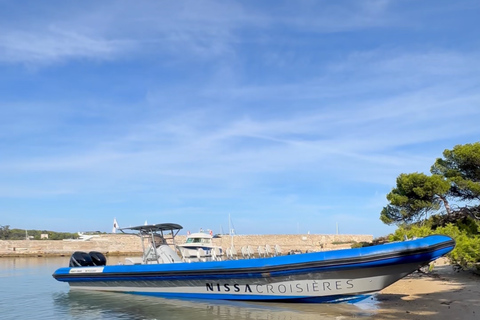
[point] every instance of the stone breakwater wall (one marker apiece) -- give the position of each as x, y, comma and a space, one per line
293, 242
123, 244
109, 244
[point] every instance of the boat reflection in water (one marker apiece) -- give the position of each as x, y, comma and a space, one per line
106, 305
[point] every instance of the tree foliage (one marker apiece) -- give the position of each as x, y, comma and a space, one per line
4, 232
20, 234
415, 196
455, 178
465, 233
461, 166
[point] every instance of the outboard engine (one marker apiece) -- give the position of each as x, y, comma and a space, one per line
80, 259
98, 258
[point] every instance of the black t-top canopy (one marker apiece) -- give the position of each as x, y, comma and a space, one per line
155, 227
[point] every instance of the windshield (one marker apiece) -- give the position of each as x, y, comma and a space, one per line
198, 240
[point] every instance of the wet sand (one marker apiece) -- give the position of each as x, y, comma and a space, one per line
443, 294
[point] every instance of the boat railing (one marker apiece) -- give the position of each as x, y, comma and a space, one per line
217, 254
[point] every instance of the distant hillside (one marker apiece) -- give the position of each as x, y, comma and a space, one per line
21, 234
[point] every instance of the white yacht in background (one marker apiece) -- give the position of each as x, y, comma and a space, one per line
199, 247
83, 237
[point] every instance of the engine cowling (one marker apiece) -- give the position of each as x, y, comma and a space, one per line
98, 258
80, 259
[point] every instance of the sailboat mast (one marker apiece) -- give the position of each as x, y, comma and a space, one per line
230, 230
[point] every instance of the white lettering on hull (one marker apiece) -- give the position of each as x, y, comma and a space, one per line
86, 270
290, 289
286, 288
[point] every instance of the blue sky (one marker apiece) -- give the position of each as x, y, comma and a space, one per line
289, 116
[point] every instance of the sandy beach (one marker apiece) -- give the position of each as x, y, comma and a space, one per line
443, 294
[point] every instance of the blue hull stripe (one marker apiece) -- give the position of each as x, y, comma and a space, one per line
353, 273
111, 273
304, 299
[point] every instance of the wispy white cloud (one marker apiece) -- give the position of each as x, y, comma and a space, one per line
206, 108
194, 148
55, 45
327, 16
206, 29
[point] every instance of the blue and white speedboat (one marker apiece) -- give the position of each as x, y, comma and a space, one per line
329, 276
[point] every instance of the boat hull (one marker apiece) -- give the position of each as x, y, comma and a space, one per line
332, 276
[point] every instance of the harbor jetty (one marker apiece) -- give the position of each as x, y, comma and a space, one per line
127, 244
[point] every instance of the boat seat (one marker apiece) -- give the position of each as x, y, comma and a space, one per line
244, 251
182, 254
232, 253
247, 252
216, 254
268, 250
261, 251
167, 255
251, 252
201, 255
150, 256
278, 250
133, 260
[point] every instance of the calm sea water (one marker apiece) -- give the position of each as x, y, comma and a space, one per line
28, 291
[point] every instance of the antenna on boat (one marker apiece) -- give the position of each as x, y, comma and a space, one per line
231, 230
